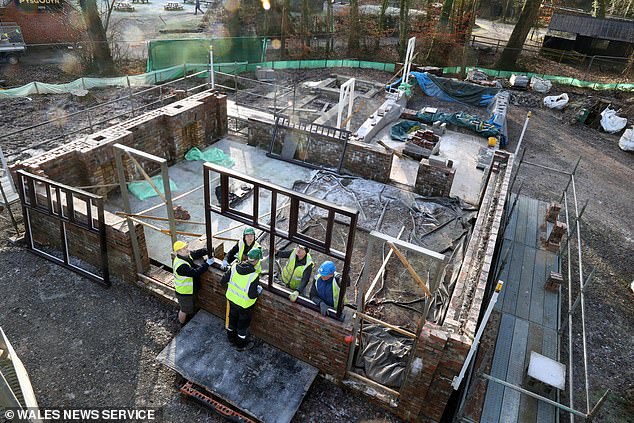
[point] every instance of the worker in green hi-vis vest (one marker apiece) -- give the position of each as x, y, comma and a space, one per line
296, 273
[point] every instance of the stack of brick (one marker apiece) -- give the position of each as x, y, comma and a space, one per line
422, 144
555, 230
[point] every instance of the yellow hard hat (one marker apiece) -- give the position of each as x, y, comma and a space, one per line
179, 245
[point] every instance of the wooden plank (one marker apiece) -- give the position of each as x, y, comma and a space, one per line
509, 233
526, 284
506, 246
512, 285
547, 413
410, 269
515, 372
522, 219
495, 391
533, 223
528, 405
551, 299
537, 293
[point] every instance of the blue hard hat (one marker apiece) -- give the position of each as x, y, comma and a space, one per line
327, 268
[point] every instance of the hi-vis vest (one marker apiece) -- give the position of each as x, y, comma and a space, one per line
291, 275
238, 288
335, 288
241, 248
183, 284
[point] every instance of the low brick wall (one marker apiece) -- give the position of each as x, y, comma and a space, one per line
168, 132
295, 329
434, 180
42, 27
361, 159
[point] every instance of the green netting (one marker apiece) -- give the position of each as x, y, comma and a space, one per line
165, 53
214, 155
178, 71
143, 190
562, 80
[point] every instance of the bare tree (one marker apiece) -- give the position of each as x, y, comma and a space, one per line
525, 22
101, 56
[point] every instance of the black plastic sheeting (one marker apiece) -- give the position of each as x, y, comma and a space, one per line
383, 355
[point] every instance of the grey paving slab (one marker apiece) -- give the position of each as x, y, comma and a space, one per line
526, 284
546, 412
265, 382
495, 391
507, 248
509, 233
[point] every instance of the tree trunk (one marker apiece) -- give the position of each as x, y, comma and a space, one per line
353, 36
598, 9
101, 56
306, 29
444, 15
403, 28
286, 7
525, 22
382, 23
330, 22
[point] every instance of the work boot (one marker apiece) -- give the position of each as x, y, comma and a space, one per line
243, 345
232, 336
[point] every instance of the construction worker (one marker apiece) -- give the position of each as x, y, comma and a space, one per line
325, 290
242, 248
296, 273
187, 277
243, 290
198, 8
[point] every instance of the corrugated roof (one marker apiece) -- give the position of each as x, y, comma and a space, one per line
608, 29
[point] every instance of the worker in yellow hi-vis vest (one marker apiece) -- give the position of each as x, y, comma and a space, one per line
296, 273
241, 249
243, 290
186, 278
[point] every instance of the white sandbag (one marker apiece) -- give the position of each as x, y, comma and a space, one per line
610, 122
557, 102
626, 143
540, 85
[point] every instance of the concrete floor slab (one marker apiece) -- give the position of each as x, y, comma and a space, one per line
187, 176
267, 383
462, 149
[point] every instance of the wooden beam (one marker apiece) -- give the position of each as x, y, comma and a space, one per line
381, 269
259, 217
372, 383
387, 325
388, 148
162, 219
410, 269
145, 175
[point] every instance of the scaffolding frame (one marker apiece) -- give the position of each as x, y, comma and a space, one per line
590, 410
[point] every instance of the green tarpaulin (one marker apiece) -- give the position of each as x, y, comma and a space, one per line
143, 190
214, 155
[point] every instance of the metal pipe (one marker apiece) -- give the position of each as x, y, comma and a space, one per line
570, 362
531, 394
457, 380
519, 143
578, 299
583, 305
548, 168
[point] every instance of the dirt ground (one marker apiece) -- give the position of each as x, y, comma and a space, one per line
84, 345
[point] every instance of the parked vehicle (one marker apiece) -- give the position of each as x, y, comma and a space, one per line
12, 44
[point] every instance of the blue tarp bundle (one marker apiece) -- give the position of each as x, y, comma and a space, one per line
452, 90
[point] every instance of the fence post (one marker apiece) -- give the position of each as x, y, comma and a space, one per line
497, 47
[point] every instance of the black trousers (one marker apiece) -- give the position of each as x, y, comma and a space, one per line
239, 319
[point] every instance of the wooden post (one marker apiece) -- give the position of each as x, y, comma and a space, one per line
410, 269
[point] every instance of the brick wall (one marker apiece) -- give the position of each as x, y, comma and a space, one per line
65, 26
168, 132
434, 180
361, 159
297, 330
